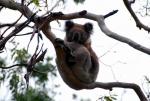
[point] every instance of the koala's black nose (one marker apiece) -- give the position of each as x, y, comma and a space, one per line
76, 36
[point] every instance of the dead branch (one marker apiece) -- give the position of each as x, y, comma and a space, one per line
36, 57
139, 24
111, 85
110, 14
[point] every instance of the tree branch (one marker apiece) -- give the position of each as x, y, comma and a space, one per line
111, 85
15, 31
139, 24
103, 27
98, 18
17, 6
122, 38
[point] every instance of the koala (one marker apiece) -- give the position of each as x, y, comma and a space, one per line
80, 34
80, 58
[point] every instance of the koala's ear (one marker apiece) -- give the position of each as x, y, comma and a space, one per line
88, 27
68, 25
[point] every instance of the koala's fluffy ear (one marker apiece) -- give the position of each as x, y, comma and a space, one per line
88, 27
68, 25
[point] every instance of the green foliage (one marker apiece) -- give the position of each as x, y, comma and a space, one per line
44, 69
2, 62
20, 56
36, 2
33, 95
108, 98
14, 82
2, 72
15, 75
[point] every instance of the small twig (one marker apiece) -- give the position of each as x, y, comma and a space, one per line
13, 33
41, 57
108, 50
11, 25
33, 34
35, 70
15, 65
110, 13
29, 33
48, 12
132, 2
7, 24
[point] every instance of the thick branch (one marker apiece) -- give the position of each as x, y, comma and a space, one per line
111, 85
138, 22
122, 38
16, 6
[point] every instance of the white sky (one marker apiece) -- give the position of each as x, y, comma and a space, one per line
127, 64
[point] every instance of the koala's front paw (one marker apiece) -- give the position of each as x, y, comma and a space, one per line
59, 41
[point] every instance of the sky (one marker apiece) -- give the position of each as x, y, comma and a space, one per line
118, 61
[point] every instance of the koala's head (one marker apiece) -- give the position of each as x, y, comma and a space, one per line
77, 32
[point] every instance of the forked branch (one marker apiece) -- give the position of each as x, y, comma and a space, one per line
139, 24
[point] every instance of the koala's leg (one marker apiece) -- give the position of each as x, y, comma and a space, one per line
83, 64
